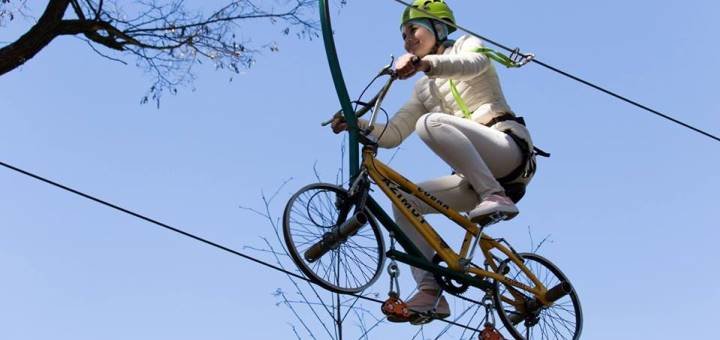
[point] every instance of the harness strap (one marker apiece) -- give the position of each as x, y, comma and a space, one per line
511, 62
521, 120
461, 103
540, 152
506, 117
526, 156
524, 169
499, 57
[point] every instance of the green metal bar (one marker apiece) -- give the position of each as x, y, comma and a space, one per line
392, 227
412, 255
427, 266
340, 88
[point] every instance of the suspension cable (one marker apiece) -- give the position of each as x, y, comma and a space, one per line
187, 234
566, 74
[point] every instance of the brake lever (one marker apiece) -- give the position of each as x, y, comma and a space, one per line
386, 71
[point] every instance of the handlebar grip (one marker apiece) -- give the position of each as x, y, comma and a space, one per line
327, 122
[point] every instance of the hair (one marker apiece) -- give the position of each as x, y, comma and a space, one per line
438, 28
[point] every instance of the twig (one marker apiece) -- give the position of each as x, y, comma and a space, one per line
341, 172
299, 291
295, 331
100, 53
315, 172
532, 241
280, 293
395, 152
265, 251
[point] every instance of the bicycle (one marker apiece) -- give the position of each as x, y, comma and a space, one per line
334, 237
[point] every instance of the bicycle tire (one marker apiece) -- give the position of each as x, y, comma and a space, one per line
355, 263
552, 321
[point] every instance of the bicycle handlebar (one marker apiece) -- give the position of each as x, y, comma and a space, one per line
375, 102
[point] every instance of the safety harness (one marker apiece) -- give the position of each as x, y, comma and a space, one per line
514, 188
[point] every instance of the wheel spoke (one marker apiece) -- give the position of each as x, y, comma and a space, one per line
560, 320
352, 264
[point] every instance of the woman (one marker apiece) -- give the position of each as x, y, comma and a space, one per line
490, 143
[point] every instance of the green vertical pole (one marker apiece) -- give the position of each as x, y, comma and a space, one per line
340, 87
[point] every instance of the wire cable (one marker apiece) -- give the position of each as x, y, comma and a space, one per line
184, 233
150, 220
566, 74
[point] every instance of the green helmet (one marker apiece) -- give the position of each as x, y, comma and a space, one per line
436, 8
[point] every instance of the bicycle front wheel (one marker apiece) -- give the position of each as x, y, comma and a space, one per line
340, 263
561, 320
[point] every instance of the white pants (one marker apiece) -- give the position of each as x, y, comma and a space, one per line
477, 153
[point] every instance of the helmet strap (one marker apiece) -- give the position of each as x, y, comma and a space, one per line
437, 38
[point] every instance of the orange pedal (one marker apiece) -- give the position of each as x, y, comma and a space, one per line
490, 333
395, 309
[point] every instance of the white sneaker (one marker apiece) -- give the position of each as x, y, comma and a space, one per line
423, 310
495, 203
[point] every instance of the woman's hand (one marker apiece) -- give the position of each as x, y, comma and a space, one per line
409, 64
338, 124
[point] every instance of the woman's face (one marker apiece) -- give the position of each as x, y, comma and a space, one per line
418, 40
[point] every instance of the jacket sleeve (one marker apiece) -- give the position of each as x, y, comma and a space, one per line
462, 65
400, 126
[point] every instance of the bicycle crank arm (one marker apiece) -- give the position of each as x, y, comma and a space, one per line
553, 294
335, 237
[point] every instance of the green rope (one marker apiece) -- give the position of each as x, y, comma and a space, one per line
497, 56
459, 100
492, 54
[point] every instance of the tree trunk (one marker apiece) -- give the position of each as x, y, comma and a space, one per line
39, 36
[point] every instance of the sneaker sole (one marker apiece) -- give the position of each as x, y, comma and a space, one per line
421, 319
486, 219
397, 319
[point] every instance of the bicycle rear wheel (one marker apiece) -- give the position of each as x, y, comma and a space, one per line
561, 320
337, 262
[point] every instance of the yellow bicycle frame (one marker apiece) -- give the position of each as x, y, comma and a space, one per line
396, 187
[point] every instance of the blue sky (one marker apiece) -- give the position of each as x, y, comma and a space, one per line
628, 200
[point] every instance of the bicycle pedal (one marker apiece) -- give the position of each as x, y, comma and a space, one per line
395, 309
490, 333
491, 219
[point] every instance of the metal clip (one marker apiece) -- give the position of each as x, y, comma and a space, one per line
395, 308
521, 59
488, 304
394, 272
393, 269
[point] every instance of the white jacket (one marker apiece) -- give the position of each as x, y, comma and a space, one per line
476, 80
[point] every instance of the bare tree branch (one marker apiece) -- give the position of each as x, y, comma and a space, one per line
297, 316
102, 54
78, 10
30, 43
166, 37
9, 9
